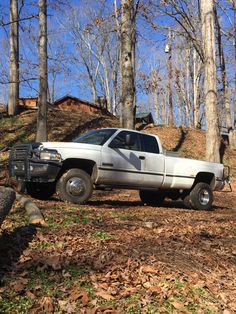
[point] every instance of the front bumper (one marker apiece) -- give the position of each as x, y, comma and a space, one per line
24, 167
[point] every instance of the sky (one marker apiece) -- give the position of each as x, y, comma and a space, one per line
65, 84
70, 75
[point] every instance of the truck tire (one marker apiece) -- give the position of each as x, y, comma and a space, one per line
152, 198
201, 196
75, 186
187, 201
41, 191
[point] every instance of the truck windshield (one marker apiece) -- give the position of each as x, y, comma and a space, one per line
95, 137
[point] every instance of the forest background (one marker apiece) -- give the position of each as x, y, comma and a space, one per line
83, 55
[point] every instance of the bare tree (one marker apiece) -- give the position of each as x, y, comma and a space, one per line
94, 33
170, 77
127, 71
232, 134
13, 93
225, 87
208, 41
43, 75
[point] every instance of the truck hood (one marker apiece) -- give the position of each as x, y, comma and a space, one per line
70, 145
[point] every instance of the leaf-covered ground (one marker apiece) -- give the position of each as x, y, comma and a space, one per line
115, 255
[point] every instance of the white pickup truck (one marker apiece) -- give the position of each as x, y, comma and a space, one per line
114, 158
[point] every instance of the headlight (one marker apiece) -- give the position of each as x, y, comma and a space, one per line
50, 155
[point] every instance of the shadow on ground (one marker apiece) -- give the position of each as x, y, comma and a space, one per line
12, 244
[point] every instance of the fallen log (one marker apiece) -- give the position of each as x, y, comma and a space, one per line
34, 213
7, 198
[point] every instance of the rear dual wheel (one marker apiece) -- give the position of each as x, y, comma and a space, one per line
200, 198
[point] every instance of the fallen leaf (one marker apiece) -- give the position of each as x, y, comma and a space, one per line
30, 295
105, 295
83, 295
19, 285
106, 309
148, 269
155, 289
46, 304
180, 306
66, 306
91, 311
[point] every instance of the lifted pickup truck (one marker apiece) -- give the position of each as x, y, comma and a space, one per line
114, 158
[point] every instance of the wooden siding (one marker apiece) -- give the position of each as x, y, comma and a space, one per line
76, 104
28, 102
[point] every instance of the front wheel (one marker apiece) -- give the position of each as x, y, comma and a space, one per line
75, 186
152, 198
201, 196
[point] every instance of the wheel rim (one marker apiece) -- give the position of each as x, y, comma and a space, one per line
204, 197
75, 186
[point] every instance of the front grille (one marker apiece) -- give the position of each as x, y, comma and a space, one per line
20, 153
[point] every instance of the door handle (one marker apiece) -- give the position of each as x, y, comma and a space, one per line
141, 157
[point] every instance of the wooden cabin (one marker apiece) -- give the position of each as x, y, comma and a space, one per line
69, 102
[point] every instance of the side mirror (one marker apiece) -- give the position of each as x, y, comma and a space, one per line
128, 140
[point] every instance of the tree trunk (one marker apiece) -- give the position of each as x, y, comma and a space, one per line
234, 8
170, 79
115, 86
208, 41
163, 106
225, 86
127, 47
188, 101
196, 79
13, 94
43, 73
232, 134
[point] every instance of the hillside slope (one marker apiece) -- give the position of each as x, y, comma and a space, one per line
65, 125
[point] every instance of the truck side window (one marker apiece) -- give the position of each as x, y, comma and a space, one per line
150, 144
120, 141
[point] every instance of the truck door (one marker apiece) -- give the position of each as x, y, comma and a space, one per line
154, 162
123, 163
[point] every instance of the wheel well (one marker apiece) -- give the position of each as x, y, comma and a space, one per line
84, 164
205, 177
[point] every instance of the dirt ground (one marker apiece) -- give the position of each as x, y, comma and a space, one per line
115, 255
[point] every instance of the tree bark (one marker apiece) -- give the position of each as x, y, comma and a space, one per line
43, 73
225, 86
13, 94
188, 99
7, 198
208, 41
234, 7
196, 79
170, 79
127, 53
